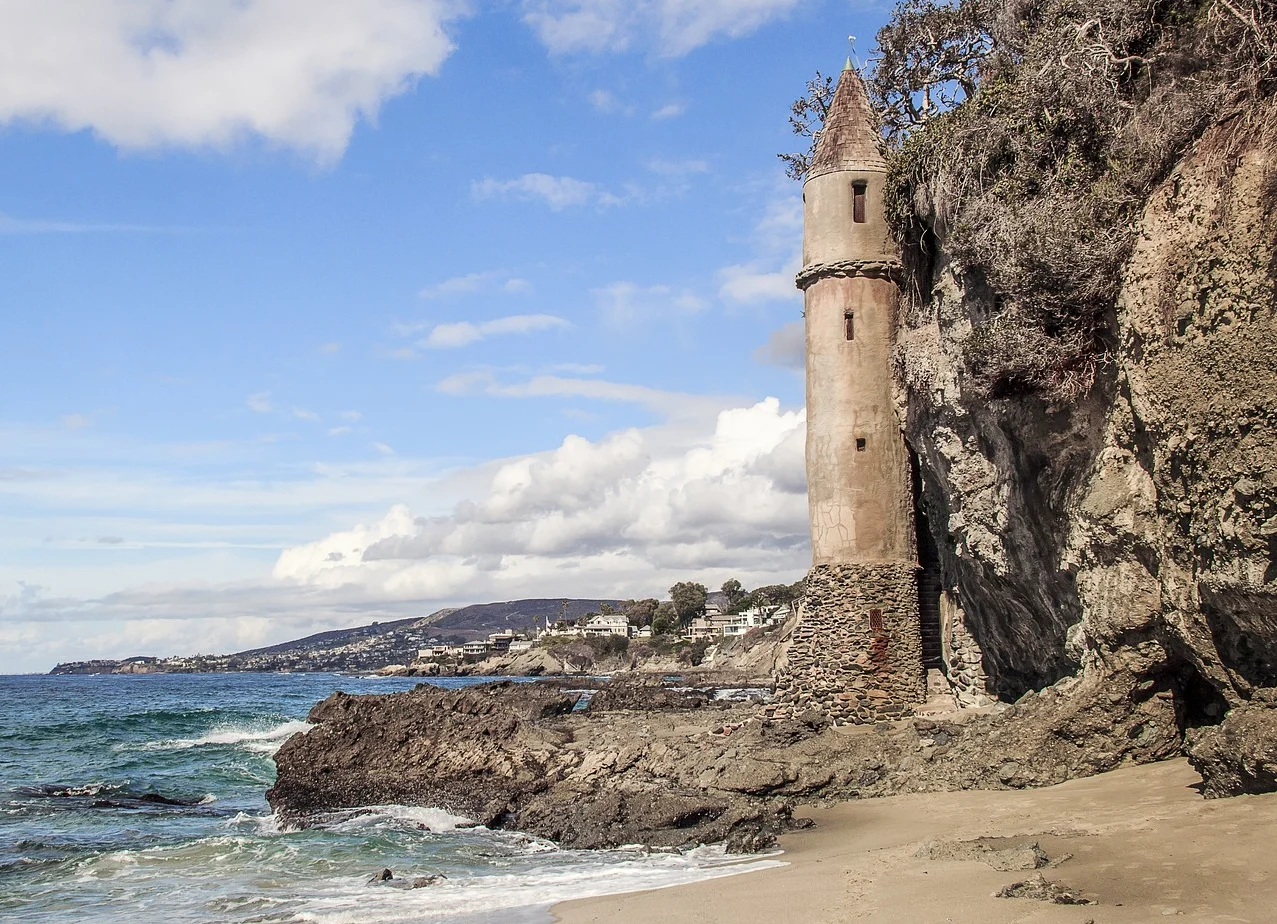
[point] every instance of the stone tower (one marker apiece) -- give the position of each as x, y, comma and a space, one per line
857, 651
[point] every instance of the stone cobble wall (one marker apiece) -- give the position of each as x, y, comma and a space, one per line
964, 661
854, 666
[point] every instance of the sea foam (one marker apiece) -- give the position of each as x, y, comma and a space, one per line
257, 740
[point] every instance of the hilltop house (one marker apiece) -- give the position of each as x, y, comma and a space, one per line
607, 624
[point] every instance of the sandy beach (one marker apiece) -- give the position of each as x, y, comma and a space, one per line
1140, 843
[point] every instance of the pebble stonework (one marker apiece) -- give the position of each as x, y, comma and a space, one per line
857, 650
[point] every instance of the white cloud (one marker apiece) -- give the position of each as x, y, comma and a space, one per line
629, 513
786, 347
75, 421
769, 277
670, 27
148, 73
259, 402
471, 283
383, 449
669, 111
626, 304
338, 431
712, 495
746, 284
303, 414
485, 382
352, 416
557, 192
462, 333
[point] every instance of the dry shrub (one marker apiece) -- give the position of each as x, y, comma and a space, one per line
1034, 184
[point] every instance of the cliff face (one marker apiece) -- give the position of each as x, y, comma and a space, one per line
1129, 540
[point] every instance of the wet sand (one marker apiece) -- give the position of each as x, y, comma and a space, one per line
1145, 847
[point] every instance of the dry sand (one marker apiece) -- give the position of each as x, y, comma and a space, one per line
1145, 847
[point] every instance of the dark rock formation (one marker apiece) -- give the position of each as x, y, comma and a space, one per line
510, 755
669, 775
1239, 755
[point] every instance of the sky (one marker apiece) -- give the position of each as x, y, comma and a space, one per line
320, 312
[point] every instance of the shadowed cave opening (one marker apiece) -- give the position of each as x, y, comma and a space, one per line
930, 583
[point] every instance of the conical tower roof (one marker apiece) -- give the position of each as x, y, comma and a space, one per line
850, 139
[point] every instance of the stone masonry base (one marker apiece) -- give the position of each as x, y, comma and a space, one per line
857, 649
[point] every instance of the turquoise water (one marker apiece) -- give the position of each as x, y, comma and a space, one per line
141, 798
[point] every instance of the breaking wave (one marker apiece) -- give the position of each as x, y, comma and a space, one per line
257, 740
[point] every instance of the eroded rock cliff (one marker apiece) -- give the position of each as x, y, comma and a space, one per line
1128, 539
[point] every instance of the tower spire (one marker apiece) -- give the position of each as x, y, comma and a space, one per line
850, 138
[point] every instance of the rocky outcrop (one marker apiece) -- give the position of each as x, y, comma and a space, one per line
511, 755
1239, 755
1129, 541
669, 766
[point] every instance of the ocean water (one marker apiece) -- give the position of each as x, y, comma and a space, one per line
141, 799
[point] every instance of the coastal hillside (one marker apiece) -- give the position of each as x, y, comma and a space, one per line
363, 648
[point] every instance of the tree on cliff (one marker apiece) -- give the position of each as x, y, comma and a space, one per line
734, 591
806, 117
639, 613
689, 600
665, 619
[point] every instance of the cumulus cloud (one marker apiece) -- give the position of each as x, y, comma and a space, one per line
617, 515
670, 27
557, 192
669, 111
463, 333
709, 496
148, 73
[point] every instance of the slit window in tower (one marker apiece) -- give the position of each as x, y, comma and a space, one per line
860, 444
849, 325
858, 202
875, 620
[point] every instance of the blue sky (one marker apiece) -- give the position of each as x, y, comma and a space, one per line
319, 312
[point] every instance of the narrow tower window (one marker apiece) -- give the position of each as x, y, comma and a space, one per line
849, 324
875, 620
860, 444
858, 202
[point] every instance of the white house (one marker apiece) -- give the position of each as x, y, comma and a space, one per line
607, 624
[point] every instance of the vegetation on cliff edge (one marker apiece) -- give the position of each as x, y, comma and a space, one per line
1025, 138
